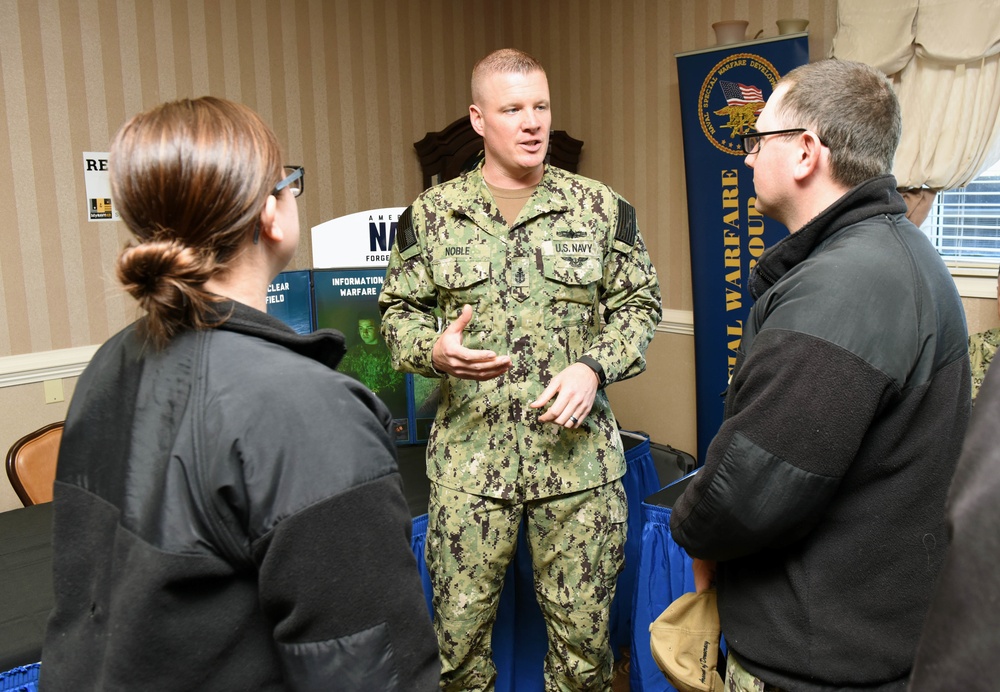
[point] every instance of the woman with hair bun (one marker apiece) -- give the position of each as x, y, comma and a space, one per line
228, 511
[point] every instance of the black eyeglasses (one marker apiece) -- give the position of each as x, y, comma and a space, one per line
751, 139
294, 180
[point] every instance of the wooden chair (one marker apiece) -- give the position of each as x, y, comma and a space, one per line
459, 148
31, 464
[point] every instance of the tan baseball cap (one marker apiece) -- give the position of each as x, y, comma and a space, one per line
684, 640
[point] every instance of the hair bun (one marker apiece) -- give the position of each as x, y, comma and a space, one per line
166, 277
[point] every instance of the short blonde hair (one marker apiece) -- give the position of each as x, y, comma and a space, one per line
500, 61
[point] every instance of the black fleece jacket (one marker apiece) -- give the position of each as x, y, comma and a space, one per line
228, 516
823, 492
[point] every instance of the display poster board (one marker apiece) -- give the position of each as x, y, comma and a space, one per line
363, 239
358, 246
722, 91
289, 298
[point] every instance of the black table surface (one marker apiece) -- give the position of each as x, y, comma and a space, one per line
25, 583
412, 461
666, 497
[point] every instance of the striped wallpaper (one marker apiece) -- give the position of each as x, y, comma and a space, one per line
349, 86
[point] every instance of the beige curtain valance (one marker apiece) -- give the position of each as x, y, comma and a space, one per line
944, 59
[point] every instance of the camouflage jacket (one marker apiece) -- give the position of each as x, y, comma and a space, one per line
982, 348
536, 291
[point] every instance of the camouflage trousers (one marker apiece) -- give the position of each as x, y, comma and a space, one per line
577, 550
738, 679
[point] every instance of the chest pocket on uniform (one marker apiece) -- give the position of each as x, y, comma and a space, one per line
572, 283
464, 281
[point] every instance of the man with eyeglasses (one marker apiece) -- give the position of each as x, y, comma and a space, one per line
819, 512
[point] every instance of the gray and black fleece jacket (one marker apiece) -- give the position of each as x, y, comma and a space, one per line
822, 495
229, 516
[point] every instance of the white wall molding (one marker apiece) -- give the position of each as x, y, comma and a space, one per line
677, 322
47, 365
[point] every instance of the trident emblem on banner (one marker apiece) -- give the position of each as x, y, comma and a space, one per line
732, 108
743, 105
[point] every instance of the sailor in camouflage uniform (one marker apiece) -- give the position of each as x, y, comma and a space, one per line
496, 285
982, 348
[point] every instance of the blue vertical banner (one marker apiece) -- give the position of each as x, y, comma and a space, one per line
722, 91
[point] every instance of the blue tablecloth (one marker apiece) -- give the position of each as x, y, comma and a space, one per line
664, 575
20, 679
519, 658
